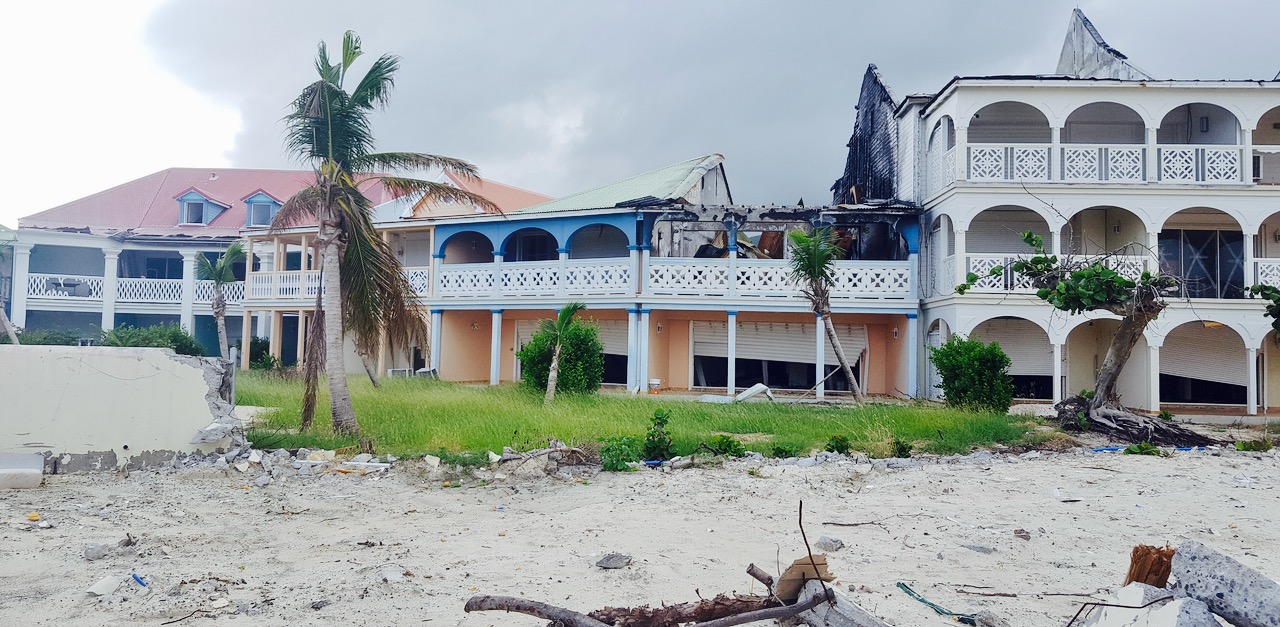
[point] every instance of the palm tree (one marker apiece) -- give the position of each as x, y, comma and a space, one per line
221, 274
812, 257
558, 329
363, 291
4, 318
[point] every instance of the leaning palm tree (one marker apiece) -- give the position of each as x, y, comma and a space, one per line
363, 292
812, 258
557, 329
220, 272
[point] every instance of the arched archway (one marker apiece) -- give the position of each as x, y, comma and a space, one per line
1109, 229
529, 244
1085, 350
940, 155
596, 241
467, 247
994, 238
1205, 247
1266, 149
1199, 142
939, 332
1103, 141
998, 136
1203, 362
1027, 345
941, 250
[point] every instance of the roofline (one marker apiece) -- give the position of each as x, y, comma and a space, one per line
1061, 80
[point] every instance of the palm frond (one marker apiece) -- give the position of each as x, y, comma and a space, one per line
396, 161
813, 256
324, 68
307, 204
350, 52
375, 86
428, 191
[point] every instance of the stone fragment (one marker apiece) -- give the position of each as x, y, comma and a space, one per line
981, 548
362, 458
1242, 595
1182, 612
431, 461
262, 481
96, 551
105, 586
391, 574
255, 456
21, 470
987, 618
614, 560
241, 466
321, 456
844, 612
828, 544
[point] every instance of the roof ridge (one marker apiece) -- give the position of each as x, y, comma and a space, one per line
693, 161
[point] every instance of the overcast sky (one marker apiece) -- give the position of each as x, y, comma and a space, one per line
554, 96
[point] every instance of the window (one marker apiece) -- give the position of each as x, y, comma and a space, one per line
193, 212
261, 213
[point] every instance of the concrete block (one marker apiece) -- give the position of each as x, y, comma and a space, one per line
21, 470
1242, 595
754, 390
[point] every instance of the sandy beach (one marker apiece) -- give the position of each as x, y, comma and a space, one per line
401, 549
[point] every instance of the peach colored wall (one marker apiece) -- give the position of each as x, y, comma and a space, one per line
660, 349
464, 351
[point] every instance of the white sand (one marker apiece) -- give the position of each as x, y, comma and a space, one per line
690, 532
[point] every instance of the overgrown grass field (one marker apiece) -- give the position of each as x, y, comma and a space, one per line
415, 416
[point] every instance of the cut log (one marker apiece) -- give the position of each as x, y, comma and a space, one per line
721, 606
1150, 565
1126, 426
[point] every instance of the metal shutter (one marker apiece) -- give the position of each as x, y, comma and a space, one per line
612, 333
1206, 353
1026, 344
777, 341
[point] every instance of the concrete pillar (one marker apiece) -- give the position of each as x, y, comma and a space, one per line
275, 340
21, 280
1057, 372
636, 281
437, 335
1249, 269
304, 258
1055, 156
437, 259
1153, 251
302, 337
497, 273
733, 352
913, 355
644, 348
266, 266
495, 348
820, 358
962, 153
1252, 387
733, 262
188, 290
245, 325
1153, 157
110, 288
962, 262
1246, 156
1153, 377
562, 271
633, 351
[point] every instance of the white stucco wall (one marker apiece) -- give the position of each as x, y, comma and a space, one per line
142, 404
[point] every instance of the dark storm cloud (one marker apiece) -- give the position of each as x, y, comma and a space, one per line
562, 96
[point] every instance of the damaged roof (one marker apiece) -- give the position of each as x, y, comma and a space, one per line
508, 198
674, 183
1085, 54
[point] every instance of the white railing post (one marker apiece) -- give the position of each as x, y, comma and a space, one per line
635, 282
1252, 387
1153, 377
110, 287
1153, 157
733, 264
914, 285
21, 272
1249, 266
437, 260
1057, 372
962, 260
644, 348
1055, 153
497, 273
188, 290
962, 153
633, 350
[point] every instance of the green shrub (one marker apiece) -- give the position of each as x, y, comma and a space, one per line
52, 337
581, 360
617, 453
657, 443
168, 335
1260, 445
726, 445
974, 375
901, 448
839, 444
782, 451
1165, 415
1143, 448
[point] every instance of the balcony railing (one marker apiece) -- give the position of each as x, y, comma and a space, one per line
1200, 164
1099, 163
305, 284
149, 290
1089, 163
1010, 282
233, 292
596, 277
1017, 162
64, 286
769, 278
128, 289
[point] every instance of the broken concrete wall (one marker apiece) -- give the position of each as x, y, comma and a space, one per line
100, 408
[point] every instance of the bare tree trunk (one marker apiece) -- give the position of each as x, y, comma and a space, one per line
8, 327
839, 351
220, 316
344, 413
369, 369
553, 376
1126, 337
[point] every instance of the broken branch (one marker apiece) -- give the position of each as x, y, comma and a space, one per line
568, 618
766, 614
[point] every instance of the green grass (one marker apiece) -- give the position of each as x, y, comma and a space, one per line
414, 416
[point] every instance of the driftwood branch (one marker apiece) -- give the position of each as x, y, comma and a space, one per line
766, 614
701, 610
568, 618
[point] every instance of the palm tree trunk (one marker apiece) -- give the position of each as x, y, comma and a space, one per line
369, 369
553, 376
840, 356
8, 327
344, 414
220, 316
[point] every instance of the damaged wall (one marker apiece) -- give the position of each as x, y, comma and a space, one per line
873, 147
99, 408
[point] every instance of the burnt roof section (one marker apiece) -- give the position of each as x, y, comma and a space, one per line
870, 171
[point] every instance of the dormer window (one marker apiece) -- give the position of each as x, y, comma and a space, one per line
261, 213
193, 212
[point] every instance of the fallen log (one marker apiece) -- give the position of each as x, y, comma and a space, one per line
721, 606
559, 615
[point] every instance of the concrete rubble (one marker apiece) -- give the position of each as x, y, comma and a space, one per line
1241, 595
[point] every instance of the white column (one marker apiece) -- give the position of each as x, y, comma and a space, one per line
733, 264
820, 357
1153, 252
1055, 248
21, 279
1249, 269
495, 347
636, 282
1252, 387
733, 352
188, 290
1246, 156
1057, 372
1153, 157
562, 272
110, 288
437, 259
644, 348
913, 355
1153, 378
266, 266
1055, 157
962, 263
633, 350
437, 335
962, 153
497, 273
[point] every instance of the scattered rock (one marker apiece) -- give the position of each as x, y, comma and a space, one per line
987, 618
96, 551
981, 548
241, 466
321, 604
219, 603
614, 560
828, 544
430, 460
1176, 613
1022, 533
494, 457
1240, 594
255, 457
105, 586
678, 463
262, 481
321, 456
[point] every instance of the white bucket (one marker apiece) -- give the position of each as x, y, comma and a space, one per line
655, 385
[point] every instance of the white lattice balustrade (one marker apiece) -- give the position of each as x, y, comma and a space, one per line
1268, 272
419, 279
592, 276
1081, 163
1031, 163
1178, 164
64, 286
1127, 266
1221, 165
470, 279
768, 278
986, 163
530, 278
871, 279
1125, 164
232, 292
688, 277
149, 290
760, 277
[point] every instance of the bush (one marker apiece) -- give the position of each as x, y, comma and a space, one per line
783, 451
52, 337
581, 360
901, 448
974, 375
1260, 445
726, 445
159, 336
618, 453
657, 443
838, 444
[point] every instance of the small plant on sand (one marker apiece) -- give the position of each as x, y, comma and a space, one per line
838, 444
617, 453
901, 448
782, 451
657, 443
1165, 415
726, 445
1260, 445
1144, 448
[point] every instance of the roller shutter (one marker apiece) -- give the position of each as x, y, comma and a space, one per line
1206, 353
1002, 233
1026, 344
612, 333
776, 341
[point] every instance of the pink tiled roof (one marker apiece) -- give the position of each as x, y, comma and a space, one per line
147, 206
508, 198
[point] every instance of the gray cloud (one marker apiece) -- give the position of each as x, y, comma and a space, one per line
562, 96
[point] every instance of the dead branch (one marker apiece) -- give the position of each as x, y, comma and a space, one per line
987, 594
773, 612
721, 606
568, 618
759, 575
